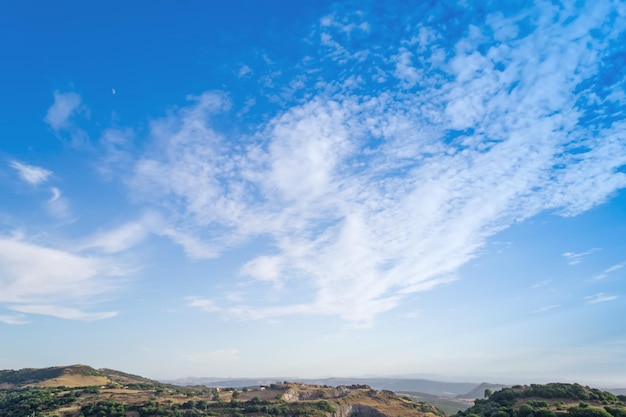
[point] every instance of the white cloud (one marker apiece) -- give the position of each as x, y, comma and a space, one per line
576, 258
117, 145
39, 279
58, 206
132, 233
60, 117
541, 284
31, 174
405, 71
64, 107
62, 312
607, 271
546, 308
13, 319
368, 197
208, 306
124, 236
600, 298
194, 248
263, 268
244, 70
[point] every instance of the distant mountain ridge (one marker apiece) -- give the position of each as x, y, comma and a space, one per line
426, 386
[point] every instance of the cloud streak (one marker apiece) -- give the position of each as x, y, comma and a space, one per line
31, 174
369, 197
607, 271
600, 298
576, 258
62, 312
546, 308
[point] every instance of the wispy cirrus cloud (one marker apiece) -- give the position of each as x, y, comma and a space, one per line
31, 174
541, 284
117, 146
374, 187
607, 271
546, 308
62, 312
600, 298
574, 258
57, 205
125, 236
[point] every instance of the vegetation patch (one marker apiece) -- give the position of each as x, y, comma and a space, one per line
549, 400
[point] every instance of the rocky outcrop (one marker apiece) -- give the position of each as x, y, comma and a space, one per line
356, 410
310, 393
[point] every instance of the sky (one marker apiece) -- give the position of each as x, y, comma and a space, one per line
315, 188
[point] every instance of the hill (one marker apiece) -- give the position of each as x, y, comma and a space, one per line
54, 392
549, 400
69, 376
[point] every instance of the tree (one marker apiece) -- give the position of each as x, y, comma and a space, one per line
587, 412
525, 410
216, 395
202, 405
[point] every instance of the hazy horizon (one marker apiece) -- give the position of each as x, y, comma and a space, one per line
470, 379
315, 188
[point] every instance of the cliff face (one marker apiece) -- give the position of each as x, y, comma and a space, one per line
354, 410
310, 393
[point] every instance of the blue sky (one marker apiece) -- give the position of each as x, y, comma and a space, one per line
315, 188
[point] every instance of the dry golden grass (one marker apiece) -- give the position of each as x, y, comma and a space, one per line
73, 380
